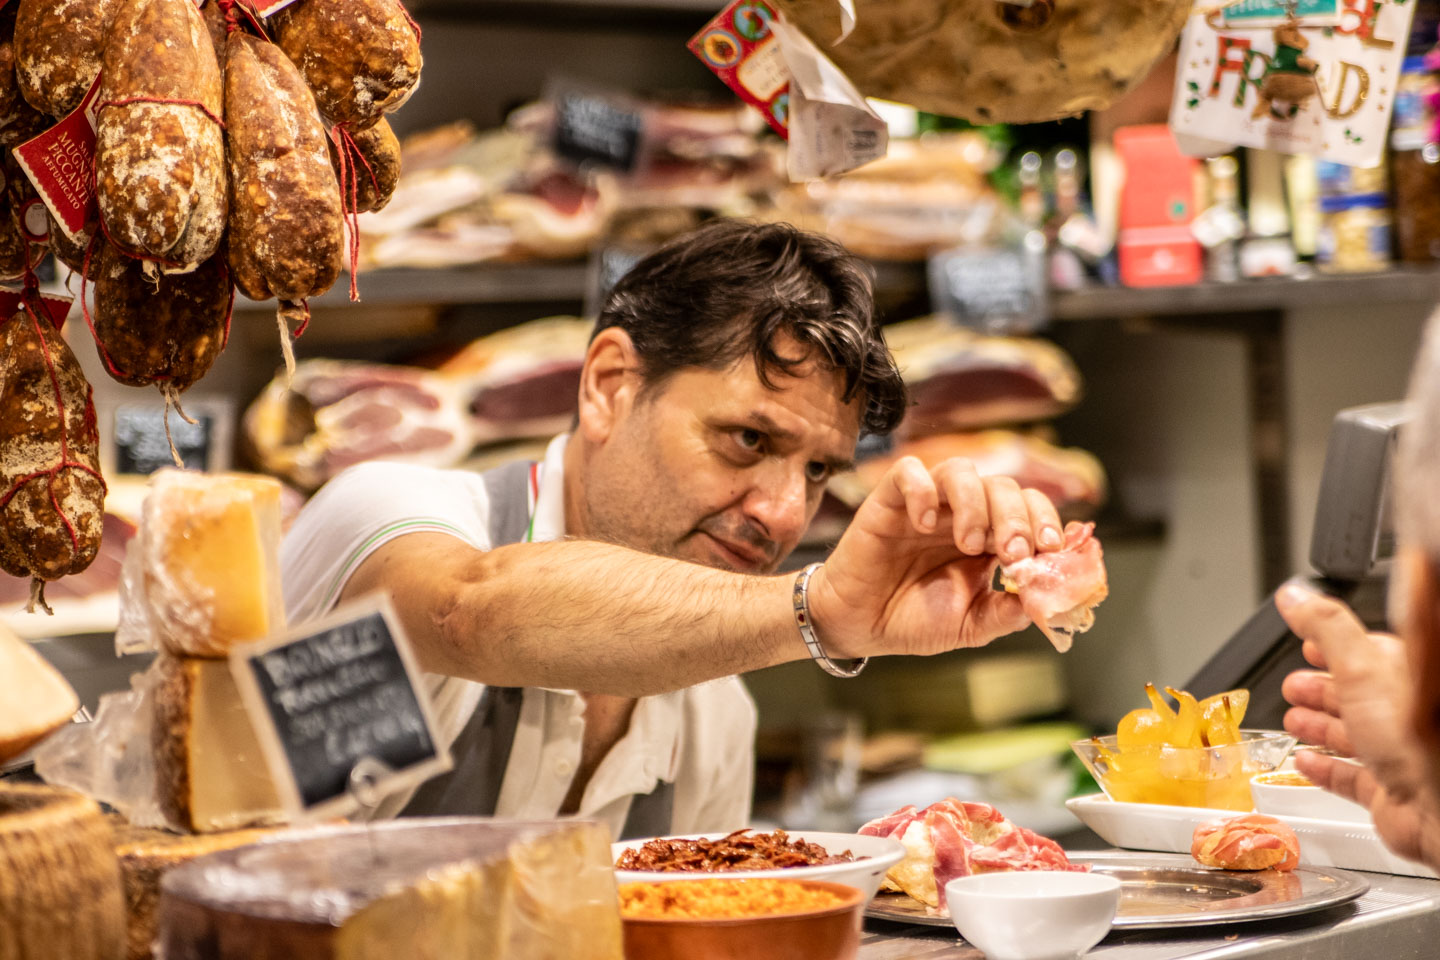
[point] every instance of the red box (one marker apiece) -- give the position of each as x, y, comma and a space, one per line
1157, 206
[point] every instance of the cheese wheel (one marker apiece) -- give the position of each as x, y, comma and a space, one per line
59, 880
34, 699
459, 888
146, 855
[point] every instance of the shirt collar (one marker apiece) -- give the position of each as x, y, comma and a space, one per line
549, 520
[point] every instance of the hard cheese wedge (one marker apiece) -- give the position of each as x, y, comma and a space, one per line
211, 559
146, 855
34, 698
209, 770
461, 889
59, 880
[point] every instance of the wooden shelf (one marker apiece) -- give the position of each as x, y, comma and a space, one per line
566, 281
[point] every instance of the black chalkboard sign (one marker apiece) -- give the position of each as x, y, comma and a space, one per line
595, 128
999, 289
607, 265
141, 446
338, 696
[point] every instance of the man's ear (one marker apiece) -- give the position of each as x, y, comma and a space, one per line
1421, 630
609, 382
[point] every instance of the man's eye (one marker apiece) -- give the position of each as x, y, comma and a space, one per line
817, 472
749, 439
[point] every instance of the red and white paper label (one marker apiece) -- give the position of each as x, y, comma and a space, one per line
54, 305
267, 7
61, 163
740, 48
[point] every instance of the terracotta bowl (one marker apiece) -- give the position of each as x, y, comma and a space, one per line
832, 933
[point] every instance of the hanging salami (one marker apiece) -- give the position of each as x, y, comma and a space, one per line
52, 499
160, 153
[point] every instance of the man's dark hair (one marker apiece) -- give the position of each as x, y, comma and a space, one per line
729, 288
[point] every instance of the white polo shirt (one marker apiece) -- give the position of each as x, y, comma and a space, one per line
700, 738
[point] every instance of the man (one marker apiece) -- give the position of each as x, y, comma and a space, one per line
583, 619
1378, 699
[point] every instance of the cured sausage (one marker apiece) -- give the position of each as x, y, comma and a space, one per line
361, 57
58, 49
18, 196
52, 498
286, 233
160, 152
167, 330
373, 165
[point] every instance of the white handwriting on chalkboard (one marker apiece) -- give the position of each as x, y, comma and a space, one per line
598, 126
301, 661
309, 694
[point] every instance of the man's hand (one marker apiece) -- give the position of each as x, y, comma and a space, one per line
1360, 709
912, 573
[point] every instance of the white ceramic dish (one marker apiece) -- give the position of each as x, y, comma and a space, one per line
1323, 843
873, 856
1037, 915
1309, 801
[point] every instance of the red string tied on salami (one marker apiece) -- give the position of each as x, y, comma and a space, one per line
33, 310
348, 155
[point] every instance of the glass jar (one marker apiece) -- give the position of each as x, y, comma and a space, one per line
1354, 234
1416, 161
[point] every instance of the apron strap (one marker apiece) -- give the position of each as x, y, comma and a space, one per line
482, 750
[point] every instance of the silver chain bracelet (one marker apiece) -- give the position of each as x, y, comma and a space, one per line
805, 622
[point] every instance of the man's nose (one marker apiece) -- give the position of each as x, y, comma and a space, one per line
779, 505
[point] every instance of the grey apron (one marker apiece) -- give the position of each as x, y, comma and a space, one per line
482, 750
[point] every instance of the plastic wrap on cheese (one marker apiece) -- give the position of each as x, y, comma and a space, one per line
203, 573
460, 888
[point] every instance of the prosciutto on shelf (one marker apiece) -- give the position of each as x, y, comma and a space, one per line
952, 839
1072, 478
963, 380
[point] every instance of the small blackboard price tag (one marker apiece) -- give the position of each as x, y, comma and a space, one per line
999, 289
337, 700
607, 266
141, 447
596, 127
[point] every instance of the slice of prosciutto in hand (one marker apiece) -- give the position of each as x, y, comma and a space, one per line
1060, 589
953, 839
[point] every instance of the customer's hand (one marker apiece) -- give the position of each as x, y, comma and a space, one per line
1358, 705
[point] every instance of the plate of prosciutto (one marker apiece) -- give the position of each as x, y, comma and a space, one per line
951, 839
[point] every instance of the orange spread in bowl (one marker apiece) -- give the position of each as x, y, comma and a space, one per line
1285, 780
719, 899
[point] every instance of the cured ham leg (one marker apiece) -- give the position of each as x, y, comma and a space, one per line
952, 839
1059, 590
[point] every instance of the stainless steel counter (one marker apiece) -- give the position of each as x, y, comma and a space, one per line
1399, 919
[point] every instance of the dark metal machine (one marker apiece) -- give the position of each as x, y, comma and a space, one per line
1352, 546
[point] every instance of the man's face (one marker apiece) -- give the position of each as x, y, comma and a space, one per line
714, 467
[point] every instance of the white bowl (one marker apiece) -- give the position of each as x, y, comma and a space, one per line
1315, 803
873, 857
1033, 914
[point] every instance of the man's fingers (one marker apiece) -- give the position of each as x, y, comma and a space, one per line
1009, 519
964, 491
1319, 729
1314, 655
1311, 689
1349, 780
994, 614
912, 489
1044, 520
1326, 622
